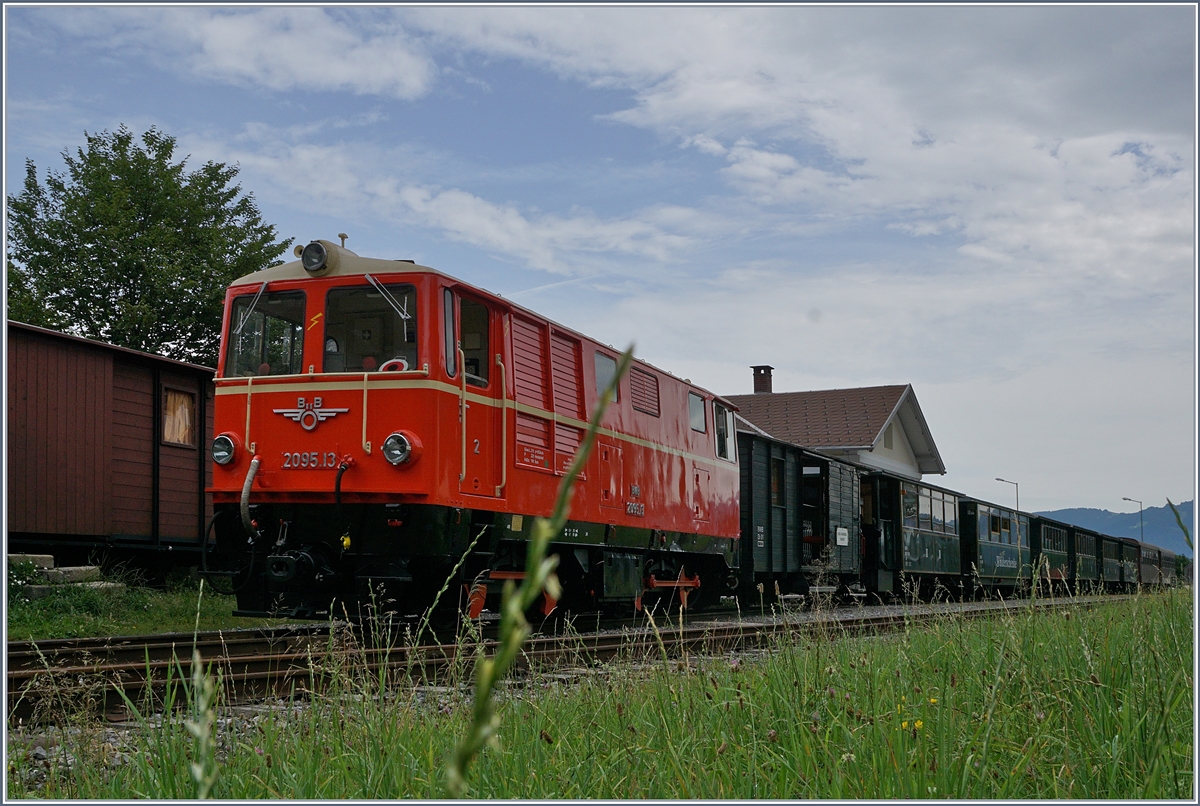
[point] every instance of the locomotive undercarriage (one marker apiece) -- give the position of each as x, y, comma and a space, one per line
359, 560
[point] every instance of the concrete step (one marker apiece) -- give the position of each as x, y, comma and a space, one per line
71, 573
35, 592
39, 560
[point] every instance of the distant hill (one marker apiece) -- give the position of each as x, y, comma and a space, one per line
1159, 522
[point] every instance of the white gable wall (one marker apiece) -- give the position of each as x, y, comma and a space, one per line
897, 459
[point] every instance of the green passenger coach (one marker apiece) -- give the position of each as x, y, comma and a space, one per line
912, 535
996, 546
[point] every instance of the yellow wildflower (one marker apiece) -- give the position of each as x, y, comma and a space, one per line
904, 724
919, 724
933, 700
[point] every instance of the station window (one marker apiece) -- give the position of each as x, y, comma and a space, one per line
606, 370
696, 412
179, 417
370, 328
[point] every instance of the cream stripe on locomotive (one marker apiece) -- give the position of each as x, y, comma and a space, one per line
283, 383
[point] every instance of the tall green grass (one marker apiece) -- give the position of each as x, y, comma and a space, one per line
1057, 703
75, 612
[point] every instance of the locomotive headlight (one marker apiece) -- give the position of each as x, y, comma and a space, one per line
314, 257
397, 449
223, 450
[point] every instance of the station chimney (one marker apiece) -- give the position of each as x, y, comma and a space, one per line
762, 379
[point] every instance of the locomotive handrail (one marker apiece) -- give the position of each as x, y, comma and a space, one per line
503, 426
246, 433
236, 380
462, 410
365, 445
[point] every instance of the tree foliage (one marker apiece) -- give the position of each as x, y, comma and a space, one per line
130, 247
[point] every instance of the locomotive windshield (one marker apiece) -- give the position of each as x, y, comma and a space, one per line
369, 328
266, 334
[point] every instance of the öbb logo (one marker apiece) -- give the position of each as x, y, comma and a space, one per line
308, 415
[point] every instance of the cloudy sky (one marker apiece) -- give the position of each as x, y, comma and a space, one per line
995, 205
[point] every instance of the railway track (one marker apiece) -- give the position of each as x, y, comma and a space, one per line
101, 673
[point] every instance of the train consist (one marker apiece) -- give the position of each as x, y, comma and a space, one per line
384, 431
812, 523
377, 421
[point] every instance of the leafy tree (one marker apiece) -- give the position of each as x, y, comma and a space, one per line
129, 247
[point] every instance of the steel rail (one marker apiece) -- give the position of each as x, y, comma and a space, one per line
302, 660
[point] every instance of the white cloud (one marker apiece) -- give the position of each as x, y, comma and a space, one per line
278, 48
1001, 126
377, 184
1011, 373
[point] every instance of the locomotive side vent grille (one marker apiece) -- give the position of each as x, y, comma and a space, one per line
643, 391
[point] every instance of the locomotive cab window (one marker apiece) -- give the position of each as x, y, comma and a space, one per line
448, 331
473, 317
696, 412
723, 425
179, 418
371, 328
266, 334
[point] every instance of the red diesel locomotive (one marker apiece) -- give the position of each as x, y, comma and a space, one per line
373, 418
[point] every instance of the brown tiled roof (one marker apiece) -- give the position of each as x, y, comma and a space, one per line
833, 418
850, 420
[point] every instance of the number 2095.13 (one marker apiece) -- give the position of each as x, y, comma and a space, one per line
310, 460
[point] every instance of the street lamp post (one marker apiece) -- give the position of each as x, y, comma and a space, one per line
1018, 490
1141, 525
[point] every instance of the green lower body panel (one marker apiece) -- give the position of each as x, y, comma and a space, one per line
930, 553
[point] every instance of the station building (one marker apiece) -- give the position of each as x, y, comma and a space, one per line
878, 427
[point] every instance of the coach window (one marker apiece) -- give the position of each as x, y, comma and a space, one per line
951, 504
606, 370
696, 412
925, 511
448, 331
266, 334
723, 424
474, 325
371, 328
910, 508
179, 418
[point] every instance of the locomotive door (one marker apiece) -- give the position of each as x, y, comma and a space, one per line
481, 390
